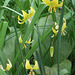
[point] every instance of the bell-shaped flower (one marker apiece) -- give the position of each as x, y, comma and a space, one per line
26, 16
52, 4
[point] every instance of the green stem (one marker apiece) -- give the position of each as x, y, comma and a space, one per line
12, 10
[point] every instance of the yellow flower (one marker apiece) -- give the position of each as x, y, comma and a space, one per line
26, 16
20, 39
52, 4
1, 67
55, 31
28, 66
28, 42
9, 65
63, 27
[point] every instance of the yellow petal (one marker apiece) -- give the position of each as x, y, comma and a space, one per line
20, 39
55, 1
9, 65
54, 9
28, 66
25, 16
1, 67
64, 20
59, 5
31, 13
50, 9
54, 31
64, 24
19, 18
36, 65
28, 41
51, 51
47, 2
63, 27
31, 73
24, 46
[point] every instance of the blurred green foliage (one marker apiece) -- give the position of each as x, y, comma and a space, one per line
9, 46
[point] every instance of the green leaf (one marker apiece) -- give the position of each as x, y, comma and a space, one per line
73, 2
64, 71
9, 46
3, 58
27, 5
65, 68
2, 34
2, 11
19, 4
67, 2
68, 15
66, 49
2, 72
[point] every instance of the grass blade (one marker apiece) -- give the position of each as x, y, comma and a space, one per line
40, 54
59, 38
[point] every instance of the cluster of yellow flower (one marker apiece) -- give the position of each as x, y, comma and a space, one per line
55, 31
52, 6
28, 66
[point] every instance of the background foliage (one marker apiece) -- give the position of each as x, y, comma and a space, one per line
9, 48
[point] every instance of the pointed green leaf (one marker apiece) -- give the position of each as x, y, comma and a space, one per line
2, 34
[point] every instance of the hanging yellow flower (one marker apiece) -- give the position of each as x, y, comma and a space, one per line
26, 16
52, 4
31, 67
28, 42
55, 31
63, 27
8, 66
